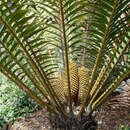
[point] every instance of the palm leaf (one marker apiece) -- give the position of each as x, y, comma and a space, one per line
108, 43
20, 34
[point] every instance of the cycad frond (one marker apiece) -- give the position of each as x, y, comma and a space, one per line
64, 31
111, 45
18, 55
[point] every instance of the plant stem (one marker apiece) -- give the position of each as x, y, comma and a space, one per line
66, 56
84, 49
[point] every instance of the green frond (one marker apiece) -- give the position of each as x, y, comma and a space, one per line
109, 44
16, 37
110, 89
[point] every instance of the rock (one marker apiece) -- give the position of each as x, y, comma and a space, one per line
121, 87
128, 82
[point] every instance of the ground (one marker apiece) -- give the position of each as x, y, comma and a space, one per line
110, 116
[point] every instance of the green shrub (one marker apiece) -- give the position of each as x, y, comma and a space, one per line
124, 128
13, 102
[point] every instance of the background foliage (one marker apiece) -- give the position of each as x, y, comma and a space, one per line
14, 103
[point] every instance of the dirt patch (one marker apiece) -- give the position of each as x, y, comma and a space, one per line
37, 121
113, 114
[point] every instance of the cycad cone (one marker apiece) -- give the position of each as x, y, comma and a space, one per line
79, 82
73, 71
59, 88
83, 82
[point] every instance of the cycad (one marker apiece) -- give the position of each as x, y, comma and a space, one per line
29, 31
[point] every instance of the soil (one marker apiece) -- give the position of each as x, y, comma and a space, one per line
110, 116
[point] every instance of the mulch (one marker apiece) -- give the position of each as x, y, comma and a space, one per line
110, 116
37, 121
